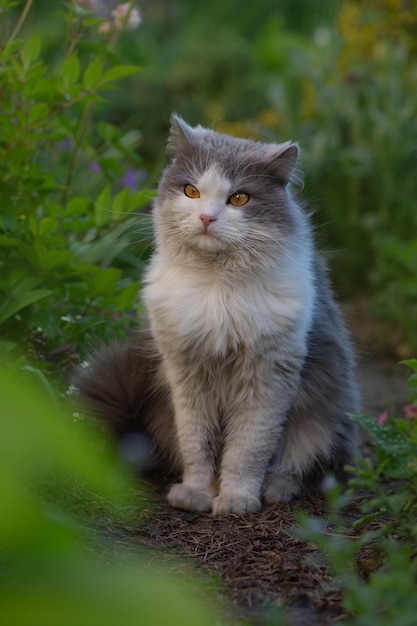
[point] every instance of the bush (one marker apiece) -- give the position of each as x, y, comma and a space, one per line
376, 563
69, 192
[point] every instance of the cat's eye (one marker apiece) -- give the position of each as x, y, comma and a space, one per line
191, 191
239, 198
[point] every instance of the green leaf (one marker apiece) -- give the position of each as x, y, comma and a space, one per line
47, 226
395, 451
412, 363
7, 346
34, 433
119, 71
121, 201
127, 297
70, 71
51, 577
139, 199
31, 50
77, 206
16, 302
102, 211
93, 74
22, 283
38, 111
387, 437
105, 281
8, 241
52, 259
107, 131
37, 373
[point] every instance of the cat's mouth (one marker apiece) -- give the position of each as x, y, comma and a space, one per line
208, 232
207, 236
209, 241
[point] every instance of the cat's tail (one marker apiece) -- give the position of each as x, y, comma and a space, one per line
124, 388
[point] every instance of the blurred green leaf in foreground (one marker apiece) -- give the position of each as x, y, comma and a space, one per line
47, 573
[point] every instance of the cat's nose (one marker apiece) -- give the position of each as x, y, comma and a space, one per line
207, 219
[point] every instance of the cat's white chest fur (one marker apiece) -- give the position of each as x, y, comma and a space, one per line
220, 311
222, 278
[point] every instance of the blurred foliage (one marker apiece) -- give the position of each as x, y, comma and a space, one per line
336, 77
69, 192
48, 574
396, 445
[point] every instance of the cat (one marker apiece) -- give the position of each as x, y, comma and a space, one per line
243, 374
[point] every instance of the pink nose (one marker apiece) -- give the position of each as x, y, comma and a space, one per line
207, 219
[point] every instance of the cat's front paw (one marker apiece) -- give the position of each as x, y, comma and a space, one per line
239, 505
188, 498
281, 488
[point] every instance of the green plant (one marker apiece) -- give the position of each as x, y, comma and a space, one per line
396, 443
376, 562
50, 568
68, 196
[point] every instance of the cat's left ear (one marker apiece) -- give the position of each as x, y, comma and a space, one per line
181, 135
284, 157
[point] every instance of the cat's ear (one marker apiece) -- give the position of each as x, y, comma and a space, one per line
181, 135
283, 159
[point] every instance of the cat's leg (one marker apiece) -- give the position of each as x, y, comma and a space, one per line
282, 486
284, 477
245, 458
309, 454
319, 438
196, 435
253, 431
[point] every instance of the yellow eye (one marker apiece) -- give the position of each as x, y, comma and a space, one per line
191, 191
239, 198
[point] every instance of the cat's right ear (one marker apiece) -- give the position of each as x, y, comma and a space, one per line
284, 157
181, 136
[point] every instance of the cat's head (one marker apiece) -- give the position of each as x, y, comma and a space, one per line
225, 195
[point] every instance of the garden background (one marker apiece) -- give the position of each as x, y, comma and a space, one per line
86, 93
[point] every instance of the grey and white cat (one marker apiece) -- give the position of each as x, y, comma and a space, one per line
243, 374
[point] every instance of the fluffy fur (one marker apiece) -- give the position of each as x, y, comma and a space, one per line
243, 374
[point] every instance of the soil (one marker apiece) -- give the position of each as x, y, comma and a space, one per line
260, 562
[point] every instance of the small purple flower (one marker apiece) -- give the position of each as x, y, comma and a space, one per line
65, 145
95, 167
131, 179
